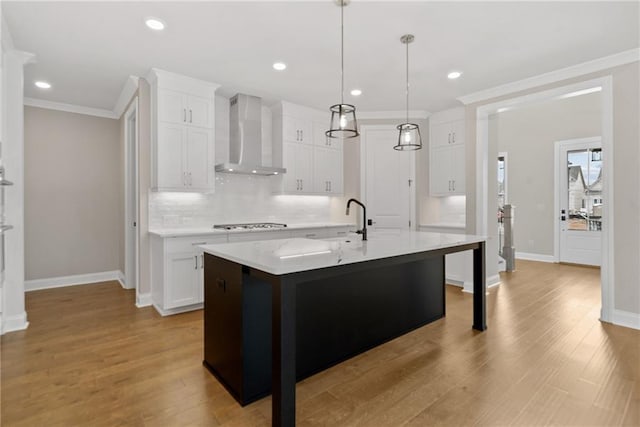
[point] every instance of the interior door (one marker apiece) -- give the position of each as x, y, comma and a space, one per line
388, 179
580, 216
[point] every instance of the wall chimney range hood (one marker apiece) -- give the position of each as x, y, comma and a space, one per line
245, 138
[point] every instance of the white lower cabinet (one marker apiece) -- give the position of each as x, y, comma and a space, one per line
177, 272
177, 263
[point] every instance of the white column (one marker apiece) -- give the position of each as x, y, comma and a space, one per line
13, 310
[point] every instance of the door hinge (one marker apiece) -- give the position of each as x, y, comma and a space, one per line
134, 223
409, 223
410, 181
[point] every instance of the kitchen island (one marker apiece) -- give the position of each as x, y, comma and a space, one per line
277, 311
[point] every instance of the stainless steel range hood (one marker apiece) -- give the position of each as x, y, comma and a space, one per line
245, 138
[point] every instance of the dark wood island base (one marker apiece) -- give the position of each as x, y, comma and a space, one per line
264, 332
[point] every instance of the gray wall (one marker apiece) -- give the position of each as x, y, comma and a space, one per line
73, 194
528, 137
626, 176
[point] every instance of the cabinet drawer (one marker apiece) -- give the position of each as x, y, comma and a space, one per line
186, 244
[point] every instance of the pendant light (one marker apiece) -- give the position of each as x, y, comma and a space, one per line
408, 133
343, 116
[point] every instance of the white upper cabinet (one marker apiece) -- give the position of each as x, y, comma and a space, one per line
447, 153
321, 139
182, 129
314, 162
327, 170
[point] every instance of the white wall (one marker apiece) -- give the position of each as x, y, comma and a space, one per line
626, 135
73, 194
528, 136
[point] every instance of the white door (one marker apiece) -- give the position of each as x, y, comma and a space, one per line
388, 180
580, 200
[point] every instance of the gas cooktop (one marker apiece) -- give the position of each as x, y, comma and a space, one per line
250, 226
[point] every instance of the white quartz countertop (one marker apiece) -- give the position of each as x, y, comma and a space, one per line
457, 225
203, 231
286, 256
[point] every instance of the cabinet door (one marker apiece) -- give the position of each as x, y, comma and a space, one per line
291, 180
172, 106
290, 131
321, 139
199, 159
171, 141
458, 132
439, 172
457, 169
335, 173
304, 167
440, 134
306, 130
321, 159
182, 286
199, 111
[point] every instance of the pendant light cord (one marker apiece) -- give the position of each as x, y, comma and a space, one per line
407, 81
342, 51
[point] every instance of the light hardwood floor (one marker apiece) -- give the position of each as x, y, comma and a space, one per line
90, 357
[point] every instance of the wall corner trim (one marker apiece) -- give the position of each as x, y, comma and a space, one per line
15, 323
144, 300
78, 279
128, 90
615, 60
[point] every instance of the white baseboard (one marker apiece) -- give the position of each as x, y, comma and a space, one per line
534, 257
143, 300
78, 279
14, 323
626, 319
178, 310
122, 280
491, 281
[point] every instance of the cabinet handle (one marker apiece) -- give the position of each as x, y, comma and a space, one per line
330, 189
202, 261
190, 115
310, 235
301, 184
453, 184
301, 135
184, 115
453, 140
297, 135
196, 257
449, 185
449, 141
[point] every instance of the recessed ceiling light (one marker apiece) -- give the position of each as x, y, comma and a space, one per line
356, 92
454, 75
155, 24
254, 171
43, 85
279, 66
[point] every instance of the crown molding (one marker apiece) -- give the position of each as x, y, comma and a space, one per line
381, 115
70, 108
622, 58
128, 90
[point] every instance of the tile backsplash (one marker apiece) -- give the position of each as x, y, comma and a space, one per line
238, 199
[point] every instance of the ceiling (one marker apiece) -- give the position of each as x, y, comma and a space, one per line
86, 50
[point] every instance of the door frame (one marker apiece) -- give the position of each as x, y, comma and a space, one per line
131, 254
607, 276
556, 187
363, 169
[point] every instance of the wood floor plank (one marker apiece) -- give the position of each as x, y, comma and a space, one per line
90, 357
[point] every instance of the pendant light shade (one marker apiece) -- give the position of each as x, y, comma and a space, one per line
409, 137
343, 116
